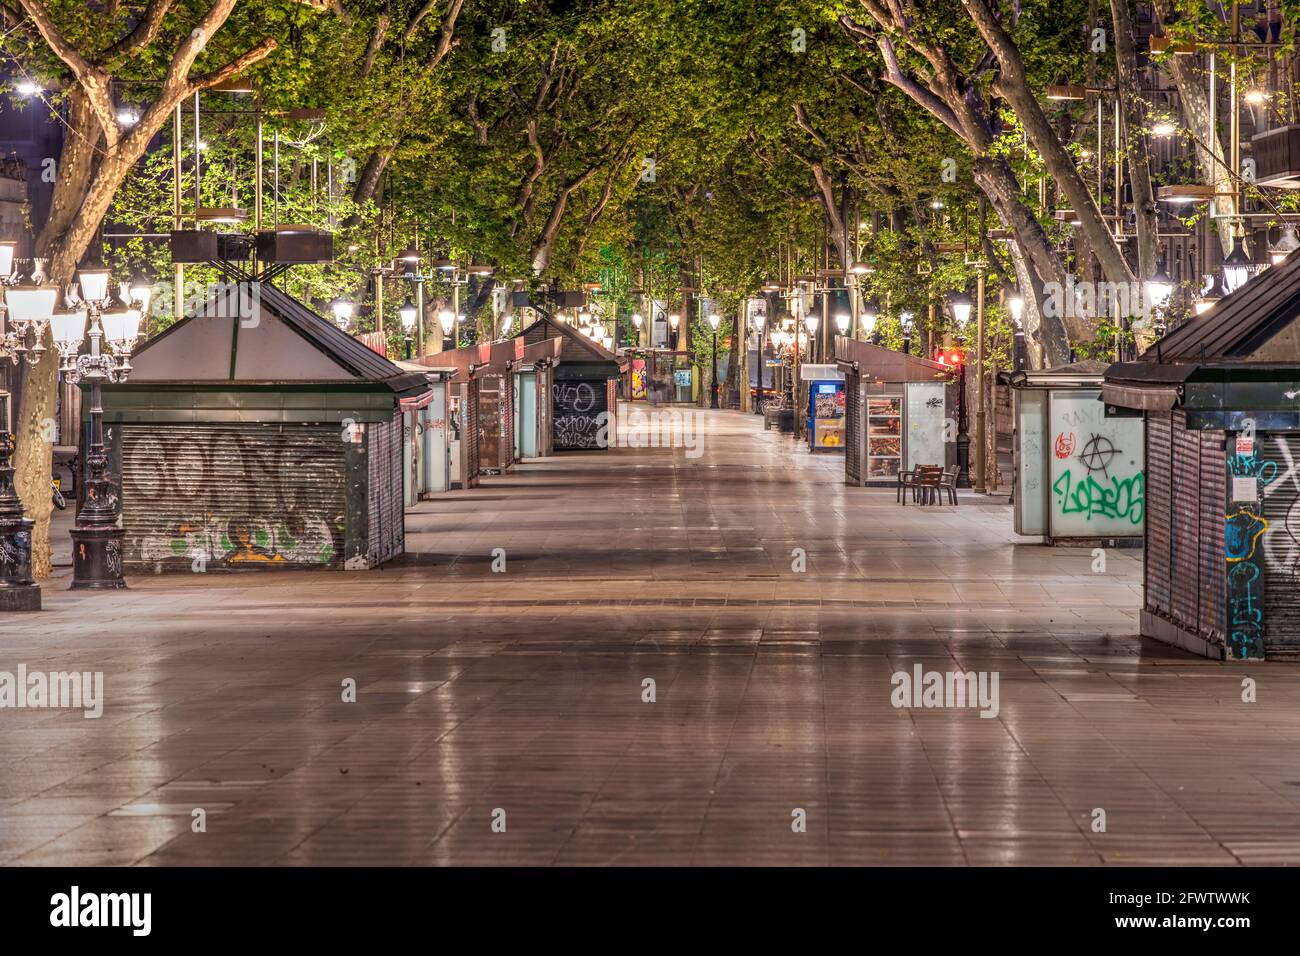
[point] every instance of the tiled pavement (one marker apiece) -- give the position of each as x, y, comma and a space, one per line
522, 691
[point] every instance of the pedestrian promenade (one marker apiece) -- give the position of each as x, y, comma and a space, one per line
643, 657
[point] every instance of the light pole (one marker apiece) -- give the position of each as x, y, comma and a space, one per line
714, 319
961, 306
97, 532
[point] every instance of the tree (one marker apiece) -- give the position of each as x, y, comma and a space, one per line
179, 47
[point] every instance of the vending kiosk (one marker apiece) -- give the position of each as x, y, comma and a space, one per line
825, 397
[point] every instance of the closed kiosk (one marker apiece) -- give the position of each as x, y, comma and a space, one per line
896, 412
583, 388
270, 439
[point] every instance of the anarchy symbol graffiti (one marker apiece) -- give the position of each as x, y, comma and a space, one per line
1097, 454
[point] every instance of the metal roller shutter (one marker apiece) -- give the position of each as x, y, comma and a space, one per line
232, 496
1214, 493
578, 407
1185, 528
469, 435
1158, 512
1281, 543
386, 510
853, 428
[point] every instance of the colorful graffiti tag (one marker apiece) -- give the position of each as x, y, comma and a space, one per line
1242, 531
1095, 472
1122, 499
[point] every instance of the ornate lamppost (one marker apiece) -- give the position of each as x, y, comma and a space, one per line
961, 308
29, 307
97, 533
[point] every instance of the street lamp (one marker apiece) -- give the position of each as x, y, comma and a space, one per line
905, 320
97, 532
407, 314
961, 306
1017, 306
714, 319
18, 592
342, 310
673, 320
447, 320
867, 318
842, 320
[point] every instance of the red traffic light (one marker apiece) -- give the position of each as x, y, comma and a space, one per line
953, 358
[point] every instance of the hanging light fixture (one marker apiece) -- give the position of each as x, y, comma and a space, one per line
1016, 305
407, 314
1286, 244
141, 290
1211, 295
1159, 287
868, 314
1236, 267
410, 255
961, 306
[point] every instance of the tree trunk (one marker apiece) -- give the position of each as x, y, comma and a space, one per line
73, 171
1013, 85
1130, 113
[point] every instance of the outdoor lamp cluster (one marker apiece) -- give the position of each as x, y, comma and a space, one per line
29, 305
97, 534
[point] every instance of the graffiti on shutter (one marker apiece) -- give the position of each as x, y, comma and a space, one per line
1185, 538
232, 496
1277, 467
580, 410
853, 426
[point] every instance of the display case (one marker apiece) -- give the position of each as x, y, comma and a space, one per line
826, 416
884, 436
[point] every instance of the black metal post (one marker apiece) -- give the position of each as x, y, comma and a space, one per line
963, 437
408, 345
97, 533
762, 361
18, 592
713, 400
